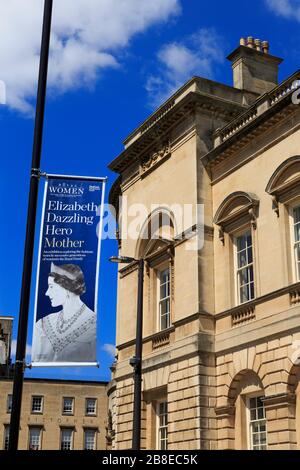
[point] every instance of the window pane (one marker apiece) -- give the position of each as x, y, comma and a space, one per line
66, 439
34, 438
241, 242
252, 403
260, 402
244, 294
260, 413
163, 291
252, 294
9, 403
164, 314
68, 405
91, 406
163, 445
297, 232
255, 438
37, 404
89, 439
162, 411
263, 439
245, 278
6, 437
164, 299
249, 253
258, 429
164, 322
164, 306
249, 239
297, 215
250, 273
297, 252
165, 276
242, 258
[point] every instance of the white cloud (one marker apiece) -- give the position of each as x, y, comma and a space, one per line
14, 348
287, 8
86, 38
179, 61
109, 349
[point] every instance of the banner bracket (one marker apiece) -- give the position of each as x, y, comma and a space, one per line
37, 173
23, 363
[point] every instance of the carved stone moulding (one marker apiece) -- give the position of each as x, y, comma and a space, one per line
152, 160
236, 210
284, 184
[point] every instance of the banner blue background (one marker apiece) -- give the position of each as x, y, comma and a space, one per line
63, 193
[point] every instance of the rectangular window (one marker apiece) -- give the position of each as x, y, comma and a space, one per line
68, 405
258, 428
37, 404
66, 441
296, 227
34, 438
164, 299
162, 425
9, 403
244, 267
90, 439
91, 406
6, 438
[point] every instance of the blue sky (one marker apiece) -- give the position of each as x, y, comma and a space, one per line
112, 62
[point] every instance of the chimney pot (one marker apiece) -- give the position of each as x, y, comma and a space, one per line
250, 42
265, 46
258, 44
243, 42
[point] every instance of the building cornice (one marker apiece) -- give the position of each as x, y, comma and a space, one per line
194, 84
193, 101
256, 119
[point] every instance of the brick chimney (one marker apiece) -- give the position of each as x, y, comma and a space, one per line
254, 69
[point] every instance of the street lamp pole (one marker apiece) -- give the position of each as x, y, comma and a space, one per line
136, 361
30, 228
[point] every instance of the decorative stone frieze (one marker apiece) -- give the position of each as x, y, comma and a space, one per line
149, 162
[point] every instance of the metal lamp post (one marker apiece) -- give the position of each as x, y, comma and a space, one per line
30, 228
136, 361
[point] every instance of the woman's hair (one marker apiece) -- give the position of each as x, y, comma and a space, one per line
69, 276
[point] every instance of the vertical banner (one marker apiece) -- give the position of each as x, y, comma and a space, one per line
65, 315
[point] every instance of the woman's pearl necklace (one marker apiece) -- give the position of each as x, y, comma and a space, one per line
63, 325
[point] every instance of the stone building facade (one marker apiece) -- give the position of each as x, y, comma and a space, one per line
6, 323
57, 414
221, 329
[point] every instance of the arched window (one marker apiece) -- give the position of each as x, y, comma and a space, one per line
236, 218
155, 245
294, 394
284, 187
246, 393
